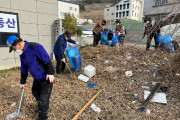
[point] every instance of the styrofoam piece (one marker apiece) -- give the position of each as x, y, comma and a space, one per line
89, 71
158, 97
95, 108
83, 78
128, 73
148, 112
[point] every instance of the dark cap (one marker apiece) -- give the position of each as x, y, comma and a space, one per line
68, 33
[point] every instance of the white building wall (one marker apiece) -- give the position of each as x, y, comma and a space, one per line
64, 7
133, 10
36, 23
109, 14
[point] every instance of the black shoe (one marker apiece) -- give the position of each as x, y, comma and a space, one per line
62, 71
42, 116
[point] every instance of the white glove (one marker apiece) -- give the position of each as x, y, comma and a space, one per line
51, 78
22, 86
119, 33
63, 60
77, 43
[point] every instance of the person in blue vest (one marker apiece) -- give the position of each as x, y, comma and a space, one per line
59, 49
36, 60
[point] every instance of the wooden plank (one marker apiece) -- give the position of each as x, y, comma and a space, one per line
79, 113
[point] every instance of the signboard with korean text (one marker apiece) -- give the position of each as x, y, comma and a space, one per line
8, 22
9, 25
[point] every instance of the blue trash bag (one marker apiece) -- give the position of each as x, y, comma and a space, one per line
104, 40
114, 40
165, 42
74, 57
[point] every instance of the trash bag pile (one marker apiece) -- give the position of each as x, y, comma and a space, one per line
74, 57
165, 42
105, 37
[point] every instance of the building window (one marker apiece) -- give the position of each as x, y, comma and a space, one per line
160, 2
124, 6
119, 14
132, 13
75, 9
61, 14
107, 9
70, 8
117, 7
112, 14
135, 14
127, 13
124, 14
128, 6
120, 7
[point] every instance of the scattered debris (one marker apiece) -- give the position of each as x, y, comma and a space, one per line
106, 62
177, 74
13, 104
158, 97
12, 86
147, 70
164, 89
90, 71
90, 84
154, 83
83, 78
110, 69
115, 77
148, 112
133, 101
145, 87
95, 108
128, 73
154, 74
135, 95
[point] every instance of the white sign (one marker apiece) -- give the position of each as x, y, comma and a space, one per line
8, 23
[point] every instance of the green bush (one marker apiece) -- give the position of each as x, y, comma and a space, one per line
79, 31
69, 23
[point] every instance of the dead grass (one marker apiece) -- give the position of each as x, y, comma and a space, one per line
69, 94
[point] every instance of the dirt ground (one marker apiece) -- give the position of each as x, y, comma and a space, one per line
94, 12
70, 94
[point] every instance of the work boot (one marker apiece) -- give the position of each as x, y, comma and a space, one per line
42, 116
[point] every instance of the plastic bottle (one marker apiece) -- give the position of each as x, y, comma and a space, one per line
117, 47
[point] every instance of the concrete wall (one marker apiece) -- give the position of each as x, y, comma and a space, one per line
36, 18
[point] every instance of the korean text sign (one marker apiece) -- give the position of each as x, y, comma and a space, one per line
8, 23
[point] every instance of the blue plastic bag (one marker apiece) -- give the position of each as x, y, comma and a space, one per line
114, 40
74, 57
104, 39
165, 42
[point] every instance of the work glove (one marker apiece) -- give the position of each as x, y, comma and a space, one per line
22, 86
77, 43
63, 60
51, 78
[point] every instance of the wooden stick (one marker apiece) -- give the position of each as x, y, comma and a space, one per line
79, 113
